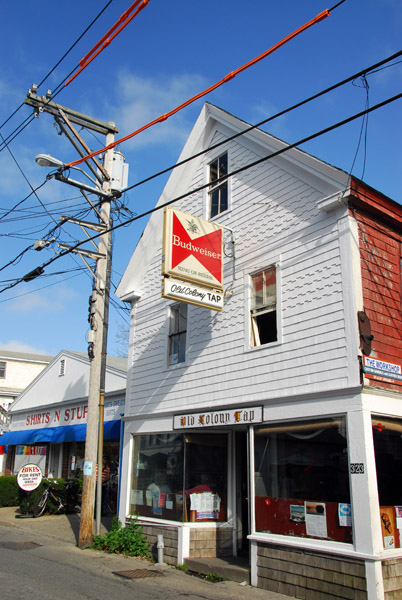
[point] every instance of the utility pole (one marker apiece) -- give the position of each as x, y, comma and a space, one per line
99, 306
96, 396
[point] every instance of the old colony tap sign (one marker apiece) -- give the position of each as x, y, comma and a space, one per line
193, 259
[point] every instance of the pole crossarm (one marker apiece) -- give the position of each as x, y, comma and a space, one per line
83, 186
88, 224
88, 253
43, 104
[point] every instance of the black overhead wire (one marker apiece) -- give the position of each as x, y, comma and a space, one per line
363, 72
39, 270
61, 60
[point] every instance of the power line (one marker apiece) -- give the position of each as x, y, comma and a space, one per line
366, 71
39, 270
61, 60
317, 19
363, 73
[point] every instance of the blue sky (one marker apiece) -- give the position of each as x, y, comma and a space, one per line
168, 53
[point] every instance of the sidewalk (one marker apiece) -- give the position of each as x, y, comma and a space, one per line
61, 531
63, 527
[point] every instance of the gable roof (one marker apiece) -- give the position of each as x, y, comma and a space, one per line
50, 388
212, 119
25, 356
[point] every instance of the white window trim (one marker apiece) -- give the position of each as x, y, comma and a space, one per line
167, 337
5, 369
208, 189
270, 262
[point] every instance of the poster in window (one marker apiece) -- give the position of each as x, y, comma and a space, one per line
316, 519
388, 527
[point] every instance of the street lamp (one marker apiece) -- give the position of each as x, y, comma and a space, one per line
45, 160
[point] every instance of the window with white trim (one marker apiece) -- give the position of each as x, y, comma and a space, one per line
263, 307
62, 367
177, 333
3, 365
218, 192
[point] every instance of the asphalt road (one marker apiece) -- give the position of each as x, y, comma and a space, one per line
39, 566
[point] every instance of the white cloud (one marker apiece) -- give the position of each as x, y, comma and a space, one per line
55, 301
143, 99
17, 346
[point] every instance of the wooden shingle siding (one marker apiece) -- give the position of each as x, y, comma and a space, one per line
310, 576
392, 577
170, 541
381, 255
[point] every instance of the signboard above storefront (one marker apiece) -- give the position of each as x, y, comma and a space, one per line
219, 418
381, 370
192, 249
201, 296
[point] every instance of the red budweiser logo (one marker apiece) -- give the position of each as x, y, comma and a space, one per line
207, 249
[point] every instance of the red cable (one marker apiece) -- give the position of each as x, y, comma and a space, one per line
105, 41
323, 15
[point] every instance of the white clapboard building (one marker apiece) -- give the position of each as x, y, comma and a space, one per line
259, 403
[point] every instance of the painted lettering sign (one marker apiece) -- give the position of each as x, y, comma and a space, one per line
69, 415
193, 249
219, 418
29, 477
381, 370
180, 290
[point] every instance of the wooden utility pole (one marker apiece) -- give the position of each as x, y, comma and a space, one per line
99, 317
96, 397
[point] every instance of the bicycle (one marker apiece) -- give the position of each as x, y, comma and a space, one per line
110, 495
66, 499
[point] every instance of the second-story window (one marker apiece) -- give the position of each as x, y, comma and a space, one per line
218, 192
177, 333
3, 365
263, 307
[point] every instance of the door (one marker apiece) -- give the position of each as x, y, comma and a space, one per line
242, 492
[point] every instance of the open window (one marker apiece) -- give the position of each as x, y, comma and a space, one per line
218, 192
263, 307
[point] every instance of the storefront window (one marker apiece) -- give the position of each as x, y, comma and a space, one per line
206, 477
111, 450
387, 436
301, 480
179, 477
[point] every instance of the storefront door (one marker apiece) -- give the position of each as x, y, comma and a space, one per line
242, 492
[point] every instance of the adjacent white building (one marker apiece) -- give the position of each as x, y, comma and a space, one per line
264, 429
48, 420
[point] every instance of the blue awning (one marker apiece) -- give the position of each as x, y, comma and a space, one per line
56, 435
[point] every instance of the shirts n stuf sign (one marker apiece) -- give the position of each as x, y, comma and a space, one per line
192, 249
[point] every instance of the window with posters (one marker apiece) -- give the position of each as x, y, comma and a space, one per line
387, 437
302, 479
180, 477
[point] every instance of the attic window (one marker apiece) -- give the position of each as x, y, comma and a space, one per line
62, 367
218, 192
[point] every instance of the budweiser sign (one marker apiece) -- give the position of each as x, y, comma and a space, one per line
193, 249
